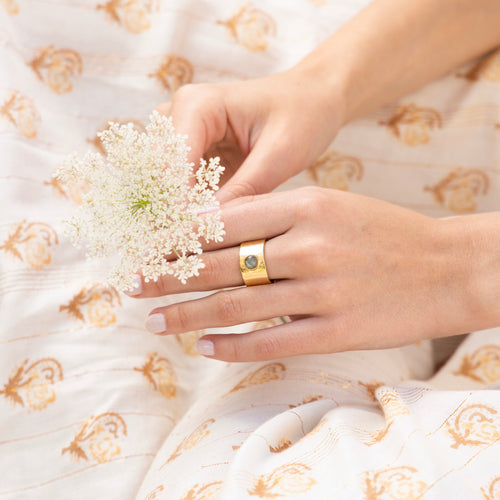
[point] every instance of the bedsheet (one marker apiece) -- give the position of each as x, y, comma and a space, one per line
94, 407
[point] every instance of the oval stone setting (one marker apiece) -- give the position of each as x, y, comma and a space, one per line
251, 262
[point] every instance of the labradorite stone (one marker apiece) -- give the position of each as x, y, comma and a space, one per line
251, 262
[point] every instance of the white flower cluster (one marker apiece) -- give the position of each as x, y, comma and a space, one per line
145, 202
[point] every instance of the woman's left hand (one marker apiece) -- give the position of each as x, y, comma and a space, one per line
352, 272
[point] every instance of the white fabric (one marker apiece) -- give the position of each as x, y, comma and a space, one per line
94, 407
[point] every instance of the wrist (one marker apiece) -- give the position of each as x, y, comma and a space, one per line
475, 243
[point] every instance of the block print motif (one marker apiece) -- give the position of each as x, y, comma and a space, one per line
308, 399
70, 190
31, 385
487, 68
160, 374
475, 425
188, 341
94, 304
198, 435
152, 495
266, 373
21, 111
393, 483
203, 492
251, 27
173, 72
133, 15
31, 242
483, 365
57, 67
458, 191
282, 445
98, 439
286, 480
10, 6
492, 491
336, 171
413, 124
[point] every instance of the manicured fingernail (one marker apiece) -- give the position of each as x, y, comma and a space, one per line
136, 288
205, 347
156, 323
208, 210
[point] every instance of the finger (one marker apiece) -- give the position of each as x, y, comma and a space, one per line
254, 218
305, 336
231, 307
266, 166
222, 270
200, 115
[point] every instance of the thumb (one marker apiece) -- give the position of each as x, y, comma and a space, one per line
200, 114
270, 162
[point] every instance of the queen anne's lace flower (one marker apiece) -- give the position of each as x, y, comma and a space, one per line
145, 202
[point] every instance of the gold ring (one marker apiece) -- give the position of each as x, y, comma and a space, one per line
252, 263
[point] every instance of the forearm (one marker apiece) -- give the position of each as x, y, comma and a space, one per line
393, 47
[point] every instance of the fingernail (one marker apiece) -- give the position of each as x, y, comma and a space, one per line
136, 287
209, 210
156, 323
205, 347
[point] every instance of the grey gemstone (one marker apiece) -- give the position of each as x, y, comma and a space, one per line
251, 262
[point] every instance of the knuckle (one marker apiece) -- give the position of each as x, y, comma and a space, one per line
267, 347
310, 202
211, 268
227, 308
177, 318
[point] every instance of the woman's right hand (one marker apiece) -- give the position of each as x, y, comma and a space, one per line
264, 130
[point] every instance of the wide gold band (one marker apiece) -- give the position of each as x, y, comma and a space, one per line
252, 263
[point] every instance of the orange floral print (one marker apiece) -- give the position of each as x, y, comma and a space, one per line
289, 479
475, 425
20, 110
282, 445
31, 385
152, 494
133, 15
371, 387
251, 27
200, 433
266, 373
57, 67
483, 365
458, 190
188, 341
336, 171
70, 190
94, 304
160, 374
393, 482
413, 124
98, 438
486, 68
203, 492
173, 72
492, 491
308, 399
10, 6
30, 243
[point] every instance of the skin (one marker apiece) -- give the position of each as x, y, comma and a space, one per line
353, 272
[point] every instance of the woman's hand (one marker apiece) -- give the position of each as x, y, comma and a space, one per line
265, 130
353, 272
